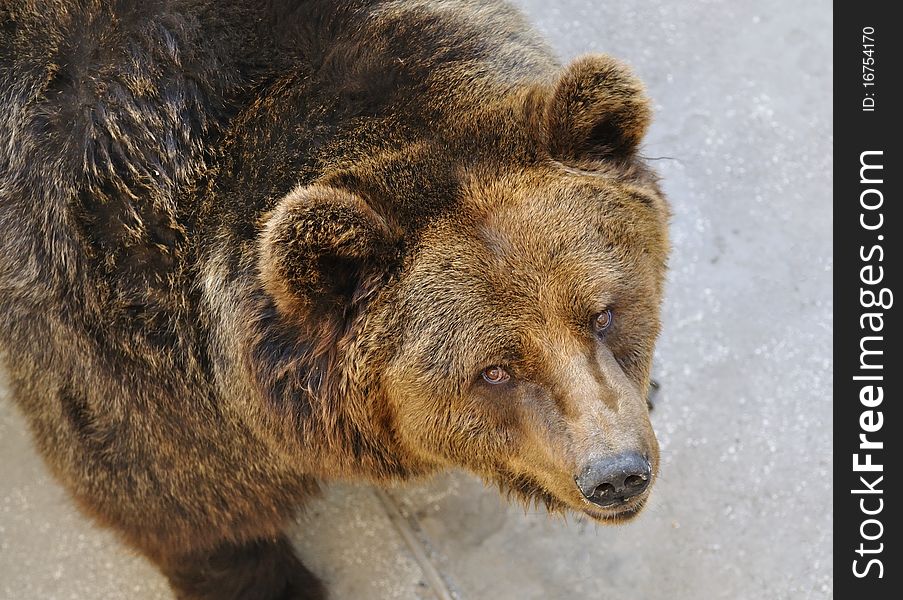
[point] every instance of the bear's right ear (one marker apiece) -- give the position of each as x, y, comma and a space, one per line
321, 250
597, 110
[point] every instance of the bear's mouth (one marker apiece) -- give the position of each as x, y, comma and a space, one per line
618, 514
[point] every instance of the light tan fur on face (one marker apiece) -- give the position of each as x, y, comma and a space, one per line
516, 282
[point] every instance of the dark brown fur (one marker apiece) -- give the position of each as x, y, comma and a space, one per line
250, 246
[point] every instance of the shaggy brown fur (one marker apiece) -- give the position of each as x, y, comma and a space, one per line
250, 246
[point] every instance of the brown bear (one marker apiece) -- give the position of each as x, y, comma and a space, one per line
248, 247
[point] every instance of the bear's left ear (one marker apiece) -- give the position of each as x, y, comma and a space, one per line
321, 250
598, 109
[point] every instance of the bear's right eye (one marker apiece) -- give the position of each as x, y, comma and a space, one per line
495, 375
602, 321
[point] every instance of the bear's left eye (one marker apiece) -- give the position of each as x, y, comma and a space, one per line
495, 375
602, 322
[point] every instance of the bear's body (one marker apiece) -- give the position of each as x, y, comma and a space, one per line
250, 247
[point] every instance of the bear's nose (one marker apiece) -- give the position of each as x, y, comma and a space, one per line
613, 480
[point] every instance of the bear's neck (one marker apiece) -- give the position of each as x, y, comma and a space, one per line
319, 408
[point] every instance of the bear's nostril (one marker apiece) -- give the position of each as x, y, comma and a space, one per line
634, 481
604, 492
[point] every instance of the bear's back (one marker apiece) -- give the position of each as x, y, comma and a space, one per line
132, 134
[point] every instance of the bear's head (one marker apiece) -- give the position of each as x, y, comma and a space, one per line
494, 298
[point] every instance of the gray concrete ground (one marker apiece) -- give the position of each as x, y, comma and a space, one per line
743, 507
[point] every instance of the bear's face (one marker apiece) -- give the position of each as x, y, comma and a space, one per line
527, 322
513, 334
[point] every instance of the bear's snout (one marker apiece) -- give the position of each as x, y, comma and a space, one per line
610, 481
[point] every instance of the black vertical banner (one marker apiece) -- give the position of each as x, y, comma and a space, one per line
868, 366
